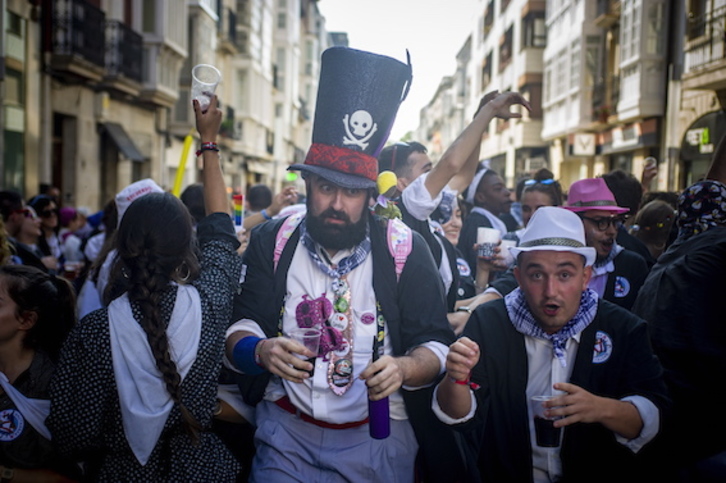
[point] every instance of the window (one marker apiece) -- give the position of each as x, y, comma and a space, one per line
282, 20
505, 48
575, 65
630, 29
533, 94
148, 16
654, 33
14, 24
534, 33
488, 17
14, 92
697, 18
486, 72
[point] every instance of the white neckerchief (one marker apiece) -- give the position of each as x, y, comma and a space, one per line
145, 402
33, 410
494, 220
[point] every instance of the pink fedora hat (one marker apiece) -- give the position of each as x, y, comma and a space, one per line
592, 194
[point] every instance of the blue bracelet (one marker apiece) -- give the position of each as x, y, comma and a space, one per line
265, 215
244, 355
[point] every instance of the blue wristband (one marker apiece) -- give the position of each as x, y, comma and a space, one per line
265, 215
244, 355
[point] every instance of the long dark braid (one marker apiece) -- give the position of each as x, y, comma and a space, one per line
153, 241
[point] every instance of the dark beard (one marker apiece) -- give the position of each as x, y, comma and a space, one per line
336, 237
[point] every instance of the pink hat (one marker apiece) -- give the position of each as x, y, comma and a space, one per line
66, 215
592, 194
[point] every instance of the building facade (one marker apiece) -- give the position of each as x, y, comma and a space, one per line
97, 92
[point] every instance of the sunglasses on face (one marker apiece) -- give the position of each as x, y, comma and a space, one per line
602, 223
25, 212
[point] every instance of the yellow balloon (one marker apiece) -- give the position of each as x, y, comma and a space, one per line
386, 181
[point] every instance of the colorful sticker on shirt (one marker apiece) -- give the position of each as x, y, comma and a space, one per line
603, 347
367, 318
622, 287
11, 424
463, 267
339, 321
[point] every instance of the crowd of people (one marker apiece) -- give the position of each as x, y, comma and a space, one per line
157, 340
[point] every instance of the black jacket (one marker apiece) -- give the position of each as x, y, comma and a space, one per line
683, 302
415, 311
589, 451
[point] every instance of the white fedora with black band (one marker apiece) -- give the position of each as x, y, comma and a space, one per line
555, 229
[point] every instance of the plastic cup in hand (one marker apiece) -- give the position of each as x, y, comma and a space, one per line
546, 434
205, 78
310, 338
486, 240
504, 251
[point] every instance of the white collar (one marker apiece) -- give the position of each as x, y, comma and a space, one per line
143, 397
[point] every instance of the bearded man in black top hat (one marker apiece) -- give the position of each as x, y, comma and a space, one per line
355, 279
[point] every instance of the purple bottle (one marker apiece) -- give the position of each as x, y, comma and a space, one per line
379, 421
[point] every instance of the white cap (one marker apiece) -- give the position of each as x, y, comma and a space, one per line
555, 229
132, 192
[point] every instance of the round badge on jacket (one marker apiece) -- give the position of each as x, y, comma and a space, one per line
603, 347
12, 424
622, 287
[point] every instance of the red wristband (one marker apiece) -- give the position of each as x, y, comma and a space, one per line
208, 147
474, 386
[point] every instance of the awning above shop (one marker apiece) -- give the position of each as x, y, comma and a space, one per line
124, 143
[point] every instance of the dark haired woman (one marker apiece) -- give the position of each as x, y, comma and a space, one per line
541, 190
49, 242
37, 311
136, 386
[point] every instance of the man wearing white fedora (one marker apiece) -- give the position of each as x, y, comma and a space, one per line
554, 336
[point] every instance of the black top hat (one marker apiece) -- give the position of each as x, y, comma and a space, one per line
358, 98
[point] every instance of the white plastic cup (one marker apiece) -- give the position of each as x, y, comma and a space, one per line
487, 239
310, 338
205, 79
504, 251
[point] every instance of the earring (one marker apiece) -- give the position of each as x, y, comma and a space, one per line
180, 268
124, 272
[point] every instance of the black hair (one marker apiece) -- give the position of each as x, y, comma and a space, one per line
53, 300
395, 158
10, 201
626, 188
193, 199
39, 203
259, 197
155, 238
520, 187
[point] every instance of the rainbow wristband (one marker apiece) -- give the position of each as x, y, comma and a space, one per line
243, 355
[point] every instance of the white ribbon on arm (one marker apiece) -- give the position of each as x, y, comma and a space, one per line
144, 399
35, 411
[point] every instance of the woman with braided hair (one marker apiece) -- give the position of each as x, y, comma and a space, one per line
136, 386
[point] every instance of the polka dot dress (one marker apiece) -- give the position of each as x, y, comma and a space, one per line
85, 416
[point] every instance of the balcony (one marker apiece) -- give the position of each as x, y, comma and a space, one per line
228, 42
74, 37
705, 55
124, 50
607, 14
605, 97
